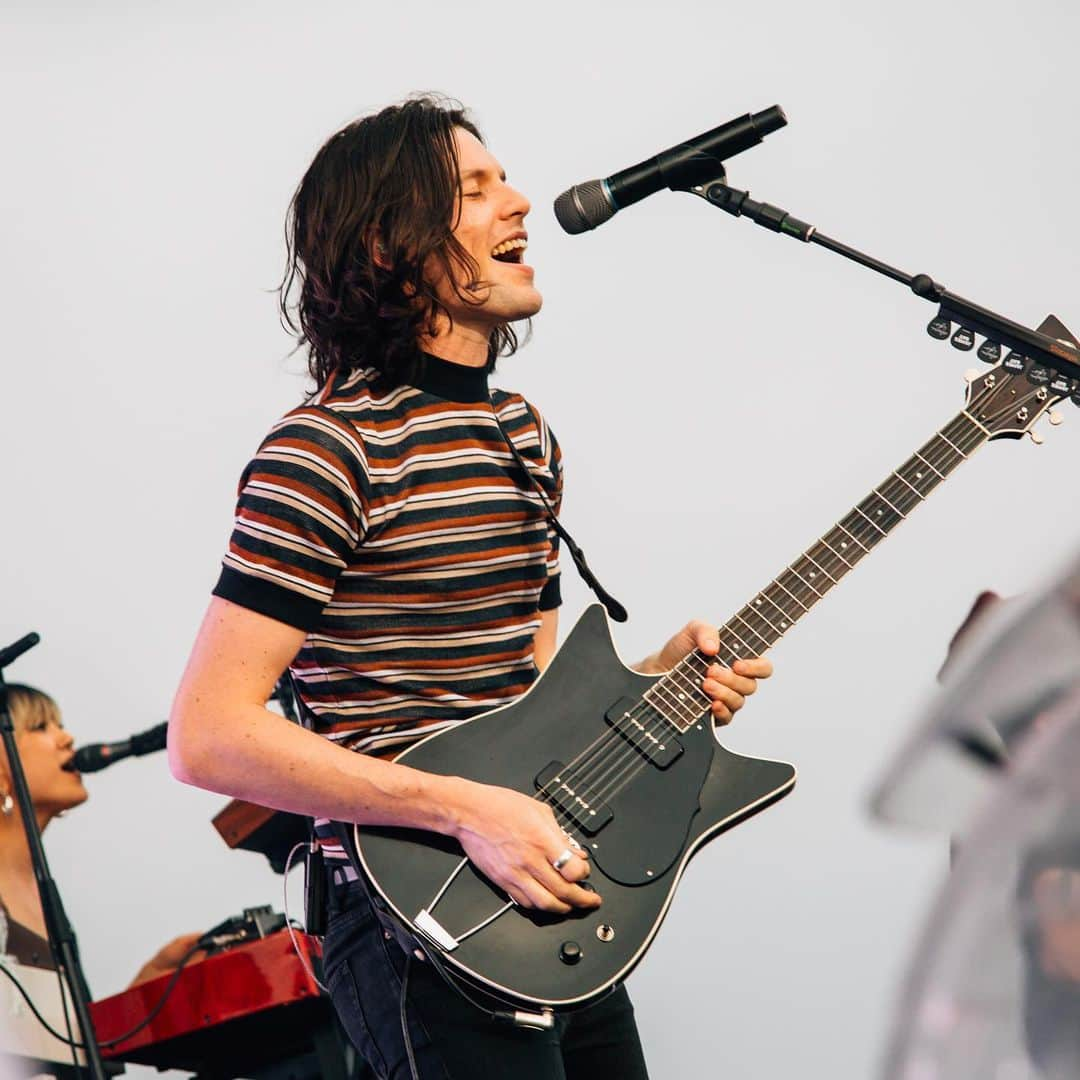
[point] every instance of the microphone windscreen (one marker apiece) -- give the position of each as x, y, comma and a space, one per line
583, 207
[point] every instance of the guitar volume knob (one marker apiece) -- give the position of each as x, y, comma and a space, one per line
570, 952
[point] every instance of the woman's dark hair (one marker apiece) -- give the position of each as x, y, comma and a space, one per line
378, 203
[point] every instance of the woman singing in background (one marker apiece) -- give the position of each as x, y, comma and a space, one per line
46, 749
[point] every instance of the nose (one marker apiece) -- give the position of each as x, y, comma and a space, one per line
65, 740
516, 203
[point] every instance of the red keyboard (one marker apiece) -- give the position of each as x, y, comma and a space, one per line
252, 1004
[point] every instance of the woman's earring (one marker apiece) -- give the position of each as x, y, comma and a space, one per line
7, 805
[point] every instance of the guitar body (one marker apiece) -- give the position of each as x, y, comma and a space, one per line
643, 818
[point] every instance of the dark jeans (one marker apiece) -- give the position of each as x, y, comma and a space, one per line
451, 1039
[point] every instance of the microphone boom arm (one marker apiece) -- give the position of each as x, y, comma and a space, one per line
1059, 356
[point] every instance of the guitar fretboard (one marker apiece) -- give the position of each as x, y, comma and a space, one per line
760, 624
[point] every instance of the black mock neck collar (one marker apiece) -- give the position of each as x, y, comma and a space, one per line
454, 382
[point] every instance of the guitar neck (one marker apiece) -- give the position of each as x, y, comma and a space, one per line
771, 613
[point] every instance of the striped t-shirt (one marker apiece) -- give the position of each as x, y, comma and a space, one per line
397, 529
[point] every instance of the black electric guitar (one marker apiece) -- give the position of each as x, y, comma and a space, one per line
631, 764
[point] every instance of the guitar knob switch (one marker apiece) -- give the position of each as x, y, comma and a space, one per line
570, 952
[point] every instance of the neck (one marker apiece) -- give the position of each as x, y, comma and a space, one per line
460, 343
761, 623
14, 850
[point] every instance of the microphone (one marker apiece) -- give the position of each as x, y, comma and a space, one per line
696, 161
98, 755
12, 653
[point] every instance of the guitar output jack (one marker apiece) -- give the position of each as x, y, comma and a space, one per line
605, 932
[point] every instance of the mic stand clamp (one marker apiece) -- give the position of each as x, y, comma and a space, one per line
1060, 356
62, 941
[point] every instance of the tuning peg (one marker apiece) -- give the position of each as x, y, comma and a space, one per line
971, 374
963, 339
1055, 418
1036, 437
939, 328
989, 352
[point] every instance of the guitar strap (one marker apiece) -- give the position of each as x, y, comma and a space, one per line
614, 609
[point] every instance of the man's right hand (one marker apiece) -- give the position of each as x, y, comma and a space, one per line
514, 840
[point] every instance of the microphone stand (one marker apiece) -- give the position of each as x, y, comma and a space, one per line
1059, 356
62, 942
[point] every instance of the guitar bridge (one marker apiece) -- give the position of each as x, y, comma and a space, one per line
430, 927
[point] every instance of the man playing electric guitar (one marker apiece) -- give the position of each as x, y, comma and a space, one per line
390, 550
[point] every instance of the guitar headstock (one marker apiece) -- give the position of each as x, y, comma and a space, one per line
1009, 398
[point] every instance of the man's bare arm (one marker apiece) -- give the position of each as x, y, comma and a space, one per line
222, 737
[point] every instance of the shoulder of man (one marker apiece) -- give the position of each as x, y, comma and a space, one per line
526, 425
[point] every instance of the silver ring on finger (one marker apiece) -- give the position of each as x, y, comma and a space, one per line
565, 856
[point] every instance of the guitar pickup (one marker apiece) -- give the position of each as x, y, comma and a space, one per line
654, 741
572, 798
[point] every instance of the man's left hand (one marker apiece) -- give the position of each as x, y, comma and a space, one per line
728, 688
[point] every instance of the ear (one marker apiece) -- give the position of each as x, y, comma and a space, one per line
5, 774
377, 249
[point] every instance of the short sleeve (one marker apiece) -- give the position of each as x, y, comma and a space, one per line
301, 513
551, 595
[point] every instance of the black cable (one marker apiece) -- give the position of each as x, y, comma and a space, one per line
61, 975
405, 1018
75, 1044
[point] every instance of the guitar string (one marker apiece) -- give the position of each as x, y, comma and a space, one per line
666, 727
978, 436
669, 729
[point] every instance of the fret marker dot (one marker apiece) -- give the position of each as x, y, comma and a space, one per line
918, 476
813, 574
682, 696
759, 603
879, 513
783, 624
843, 543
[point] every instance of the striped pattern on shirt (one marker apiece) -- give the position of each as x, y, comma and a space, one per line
397, 529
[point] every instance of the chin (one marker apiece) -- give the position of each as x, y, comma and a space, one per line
527, 307
75, 798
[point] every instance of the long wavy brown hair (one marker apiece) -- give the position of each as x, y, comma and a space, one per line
378, 204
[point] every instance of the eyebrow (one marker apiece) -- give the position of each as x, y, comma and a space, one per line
475, 174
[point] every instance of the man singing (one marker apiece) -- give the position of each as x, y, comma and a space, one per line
391, 552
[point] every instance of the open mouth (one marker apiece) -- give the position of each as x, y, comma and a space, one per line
510, 251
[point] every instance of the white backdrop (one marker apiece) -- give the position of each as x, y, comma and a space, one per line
722, 395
